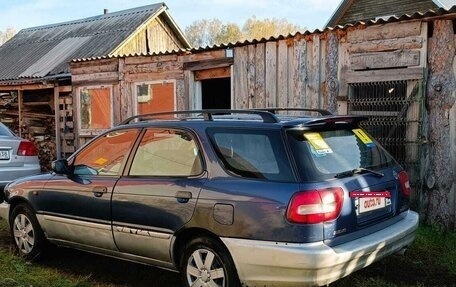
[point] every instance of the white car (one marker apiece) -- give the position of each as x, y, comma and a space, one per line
18, 157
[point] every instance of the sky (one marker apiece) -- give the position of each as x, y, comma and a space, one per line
309, 14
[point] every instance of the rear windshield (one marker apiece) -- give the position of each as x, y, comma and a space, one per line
321, 155
258, 154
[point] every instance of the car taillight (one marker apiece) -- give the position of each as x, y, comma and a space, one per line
26, 148
315, 206
405, 183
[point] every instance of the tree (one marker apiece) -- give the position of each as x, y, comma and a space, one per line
209, 32
7, 34
203, 32
257, 29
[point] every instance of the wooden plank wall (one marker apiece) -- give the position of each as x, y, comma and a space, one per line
284, 73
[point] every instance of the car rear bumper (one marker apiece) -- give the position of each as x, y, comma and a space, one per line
264, 263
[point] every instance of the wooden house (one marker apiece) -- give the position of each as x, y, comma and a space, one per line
397, 71
35, 81
351, 11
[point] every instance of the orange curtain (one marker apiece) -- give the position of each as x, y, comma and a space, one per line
100, 108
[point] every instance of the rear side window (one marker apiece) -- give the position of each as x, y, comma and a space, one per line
252, 153
321, 155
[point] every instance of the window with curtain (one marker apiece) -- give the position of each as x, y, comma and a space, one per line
95, 108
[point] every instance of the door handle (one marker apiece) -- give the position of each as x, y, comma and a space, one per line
183, 196
98, 191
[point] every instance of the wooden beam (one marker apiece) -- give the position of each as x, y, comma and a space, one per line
207, 64
385, 75
216, 73
363, 61
58, 143
103, 76
26, 87
387, 31
408, 43
65, 89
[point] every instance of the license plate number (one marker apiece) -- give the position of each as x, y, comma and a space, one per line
366, 204
4, 154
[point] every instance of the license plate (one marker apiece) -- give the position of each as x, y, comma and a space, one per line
4, 154
366, 204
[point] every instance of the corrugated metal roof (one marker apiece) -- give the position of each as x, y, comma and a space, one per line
415, 16
345, 5
47, 50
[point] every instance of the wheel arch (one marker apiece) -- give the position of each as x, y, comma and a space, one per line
185, 236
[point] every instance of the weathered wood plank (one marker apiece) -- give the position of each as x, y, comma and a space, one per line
153, 67
271, 74
208, 64
343, 69
300, 76
408, 43
95, 77
291, 73
240, 78
387, 31
199, 56
313, 64
181, 100
116, 105
384, 75
364, 61
331, 87
138, 60
260, 59
251, 76
154, 76
95, 66
189, 92
282, 74
224, 72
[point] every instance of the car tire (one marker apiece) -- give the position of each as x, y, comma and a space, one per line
207, 261
27, 235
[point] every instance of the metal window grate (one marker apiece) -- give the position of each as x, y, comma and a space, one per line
393, 114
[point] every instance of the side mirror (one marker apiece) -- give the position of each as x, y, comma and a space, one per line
60, 166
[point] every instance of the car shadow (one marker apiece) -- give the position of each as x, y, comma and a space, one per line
106, 270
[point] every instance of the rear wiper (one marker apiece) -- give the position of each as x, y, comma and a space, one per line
359, 170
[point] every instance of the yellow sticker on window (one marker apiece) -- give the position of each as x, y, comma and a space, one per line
318, 143
101, 161
365, 139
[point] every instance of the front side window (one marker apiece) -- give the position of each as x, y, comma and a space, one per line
154, 97
321, 155
252, 153
166, 152
105, 155
95, 107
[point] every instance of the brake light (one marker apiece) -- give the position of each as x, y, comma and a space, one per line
315, 206
405, 183
26, 148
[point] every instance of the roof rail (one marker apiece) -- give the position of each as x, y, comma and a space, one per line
267, 116
277, 109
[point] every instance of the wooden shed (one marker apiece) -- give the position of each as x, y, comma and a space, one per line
397, 71
35, 82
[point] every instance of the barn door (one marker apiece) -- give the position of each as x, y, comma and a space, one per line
395, 118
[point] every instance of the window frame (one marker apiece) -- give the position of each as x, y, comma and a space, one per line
91, 131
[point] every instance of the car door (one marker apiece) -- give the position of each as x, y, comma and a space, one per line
158, 193
77, 207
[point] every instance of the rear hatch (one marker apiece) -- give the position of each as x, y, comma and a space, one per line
338, 156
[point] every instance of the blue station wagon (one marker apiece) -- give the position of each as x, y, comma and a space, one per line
224, 197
